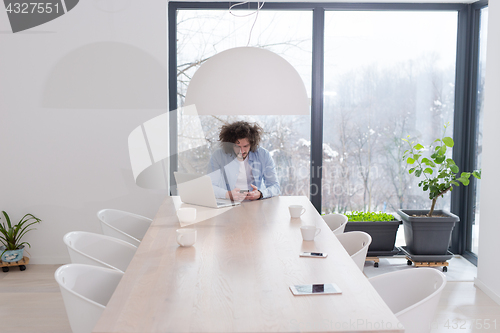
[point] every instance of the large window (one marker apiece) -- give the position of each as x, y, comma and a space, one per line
375, 73
203, 33
387, 75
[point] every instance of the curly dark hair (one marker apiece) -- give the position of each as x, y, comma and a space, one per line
233, 132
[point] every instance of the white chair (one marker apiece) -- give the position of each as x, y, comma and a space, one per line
99, 250
336, 222
86, 291
412, 295
124, 225
356, 243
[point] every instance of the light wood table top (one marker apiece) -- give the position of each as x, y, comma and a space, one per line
236, 277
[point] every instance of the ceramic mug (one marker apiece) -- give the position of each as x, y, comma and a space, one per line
186, 236
186, 214
309, 232
296, 210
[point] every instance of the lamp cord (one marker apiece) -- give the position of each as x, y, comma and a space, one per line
259, 7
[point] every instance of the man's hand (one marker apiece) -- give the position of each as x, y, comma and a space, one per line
255, 194
236, 195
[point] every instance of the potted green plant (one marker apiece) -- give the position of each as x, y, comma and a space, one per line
11, 236
382, 227
428, 232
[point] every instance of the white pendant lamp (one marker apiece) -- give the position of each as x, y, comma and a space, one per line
247, 81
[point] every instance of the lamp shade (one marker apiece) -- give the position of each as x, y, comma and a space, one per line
247, 81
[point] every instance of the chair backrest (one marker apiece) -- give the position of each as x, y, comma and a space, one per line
412, 294
99, 250
336, 222
124, 225
86, 291
356, 243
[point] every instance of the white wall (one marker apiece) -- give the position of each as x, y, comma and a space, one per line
71, 91
488, 272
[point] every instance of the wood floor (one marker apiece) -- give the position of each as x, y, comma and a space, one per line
30, 302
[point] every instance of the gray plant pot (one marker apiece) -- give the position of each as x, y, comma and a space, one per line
427, 235
383, 234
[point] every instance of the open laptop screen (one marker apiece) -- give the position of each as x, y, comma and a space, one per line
197, 189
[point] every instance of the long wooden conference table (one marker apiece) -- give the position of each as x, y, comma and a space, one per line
236, 277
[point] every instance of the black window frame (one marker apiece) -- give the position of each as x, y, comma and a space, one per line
463, 201
465, 113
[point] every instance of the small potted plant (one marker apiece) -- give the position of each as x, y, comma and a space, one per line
428, 232
11, 236
382, 227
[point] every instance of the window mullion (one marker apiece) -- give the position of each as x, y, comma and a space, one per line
317, 106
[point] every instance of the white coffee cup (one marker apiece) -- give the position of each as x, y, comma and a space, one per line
296, 210
309, 232
186, 214
186, 236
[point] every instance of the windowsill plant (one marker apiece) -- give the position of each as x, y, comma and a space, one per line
428, 232
382, 227
369, 216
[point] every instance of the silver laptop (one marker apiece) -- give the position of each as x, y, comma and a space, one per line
197, 190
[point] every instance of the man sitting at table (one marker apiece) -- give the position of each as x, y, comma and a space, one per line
241, 169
